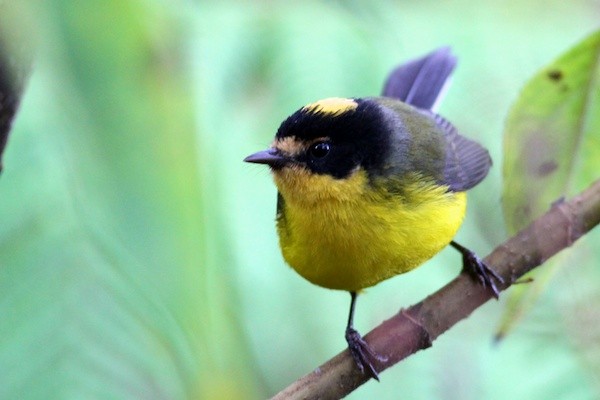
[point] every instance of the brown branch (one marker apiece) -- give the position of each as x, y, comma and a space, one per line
415, 328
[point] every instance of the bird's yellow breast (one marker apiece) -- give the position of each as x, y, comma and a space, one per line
350, 233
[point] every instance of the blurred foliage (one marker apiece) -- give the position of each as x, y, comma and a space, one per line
551, 145
138, 257
551, 151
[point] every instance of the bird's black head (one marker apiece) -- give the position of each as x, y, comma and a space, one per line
333, 136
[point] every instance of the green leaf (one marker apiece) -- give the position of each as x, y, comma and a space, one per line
551, 141
551, 150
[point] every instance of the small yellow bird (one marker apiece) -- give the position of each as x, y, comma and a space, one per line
370, 188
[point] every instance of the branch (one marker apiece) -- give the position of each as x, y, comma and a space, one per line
15, 65
415, 328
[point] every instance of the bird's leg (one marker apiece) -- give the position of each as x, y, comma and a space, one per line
475, 266
360, 350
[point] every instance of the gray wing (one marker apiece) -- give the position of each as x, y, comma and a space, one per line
467, 162
421, 82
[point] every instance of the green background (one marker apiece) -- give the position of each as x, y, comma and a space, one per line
138, 256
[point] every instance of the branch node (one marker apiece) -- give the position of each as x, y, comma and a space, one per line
425, 336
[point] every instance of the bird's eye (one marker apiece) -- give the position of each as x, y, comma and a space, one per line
319, 149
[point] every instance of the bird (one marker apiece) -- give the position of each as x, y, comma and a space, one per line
372, 187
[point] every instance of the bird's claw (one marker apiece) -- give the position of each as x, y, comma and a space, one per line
478, 269
362, 353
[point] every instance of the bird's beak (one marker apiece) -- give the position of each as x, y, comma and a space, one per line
271, 157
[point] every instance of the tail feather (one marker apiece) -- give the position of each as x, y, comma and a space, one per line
421, 82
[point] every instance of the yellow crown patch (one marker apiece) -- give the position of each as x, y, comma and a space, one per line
331, 106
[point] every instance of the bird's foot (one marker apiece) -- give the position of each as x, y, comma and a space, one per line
478, 269
362, 353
